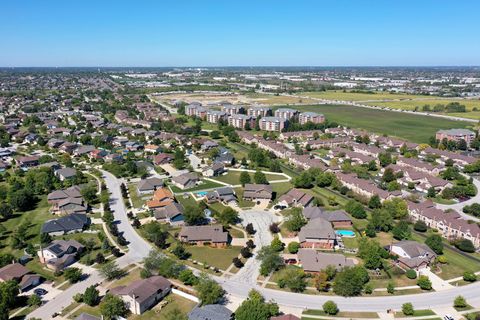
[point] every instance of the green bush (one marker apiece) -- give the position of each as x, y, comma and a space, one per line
293, 247
424, 283
411, 274
330, 307
407, 309
469, 276
460, 302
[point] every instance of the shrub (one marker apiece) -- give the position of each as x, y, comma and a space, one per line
237, 262
460, 302
469, 276
391, 288
293, 247
411, 274
34, 300
368, 289
420, 226
424, 283
274, 228
407, 309
465, 245
330, 307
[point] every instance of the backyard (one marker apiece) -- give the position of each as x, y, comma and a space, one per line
215, 257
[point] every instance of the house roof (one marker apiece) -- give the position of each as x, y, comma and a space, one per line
74, 221
285, 317
143, 289
169, 211
183, 179
314, 261
213, 233
60, 247
210, 312
86, 316
72, 192
13, 271
149, 184
318, 228
414, 249
67, 172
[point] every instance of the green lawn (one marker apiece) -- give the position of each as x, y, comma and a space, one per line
33, 218
205, 185
402, 125
137, 201
342, 314
173, 302
280, 188
241, 202
233, 177
416, 313
355, 96
215, 257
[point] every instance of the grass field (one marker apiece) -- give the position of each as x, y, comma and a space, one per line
137, 200
204, 185
173, 302
215, 257
416, 313
233, 177
352, 96
342, 314
411, 104
412, 127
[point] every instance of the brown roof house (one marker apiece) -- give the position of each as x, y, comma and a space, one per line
149, 185
143, 294
25, 279
317, 233
255, 192
313, 261
295, 198
185, 181
412, 255
57, 195
59, 254
213, 235
338, 218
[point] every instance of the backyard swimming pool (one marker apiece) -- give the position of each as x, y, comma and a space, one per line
202, 193
345, 233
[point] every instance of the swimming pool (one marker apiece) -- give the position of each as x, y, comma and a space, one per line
345, 233
202, 193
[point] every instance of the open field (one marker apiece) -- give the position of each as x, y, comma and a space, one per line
412, 127
411, 104
234, 98
233, 177
353, 96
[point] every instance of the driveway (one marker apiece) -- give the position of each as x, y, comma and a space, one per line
459, 206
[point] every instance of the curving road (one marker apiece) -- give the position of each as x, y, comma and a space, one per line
459, 206
245, 280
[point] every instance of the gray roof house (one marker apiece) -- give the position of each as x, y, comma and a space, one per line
60, 253
212, 234
72, 192
149, 185
216, 169
65, 173
74, 222
257, 192
317, 233
210, 312
185, 181
223, 194
412, 254
172, 213
315, 261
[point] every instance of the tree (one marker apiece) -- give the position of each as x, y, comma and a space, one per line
382, 220
274, 228
9, 291
424, 283
460, 302
99, 258
388, 175
209, 291
187, 277
270, 260
237, 263
249, 228
176, 314
350, 281
371, 252
245, 178
260, 178
431, 192
293, 279
228, 216
374, 202
112, 307
180, 252
407, 309
277, 245
355, 209
72, 274
391, 287
401, 231
34, 300
89, 193
250, 244
465, 245
411, 274
110, 271
245, 252
397, 207
155, 233
293, 247
6, 211
295, 220
255, 308
91, 296
194, 215
45, 238
330, 308
420, 226
320, 281
435, 243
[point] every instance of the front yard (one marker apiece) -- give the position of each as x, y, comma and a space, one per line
215, 257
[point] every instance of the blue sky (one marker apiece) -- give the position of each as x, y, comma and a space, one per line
239, 33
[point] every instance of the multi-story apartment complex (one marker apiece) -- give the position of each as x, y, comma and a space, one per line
259, 111
272, 124
456, 135
232, 109
241, 120
313, 117
286, 113
214, 116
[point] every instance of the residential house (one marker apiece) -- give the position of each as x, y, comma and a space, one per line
59, 254
68, 206
161, 198
75, 222
149, 185
66, 173
212, 235
216, 169
412, 255
162, 158
152, 148
72, 192
338, 218
317, 234
83, 150
18, 273
295, 197
365, 187
141, 295
185, 181
256, 192
171, 213
224, 194
313, 261
27, 162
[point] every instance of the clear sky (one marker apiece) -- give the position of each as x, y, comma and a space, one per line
239, 33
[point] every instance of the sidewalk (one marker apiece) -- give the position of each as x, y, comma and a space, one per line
438, 284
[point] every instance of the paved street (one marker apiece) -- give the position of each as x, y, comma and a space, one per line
459, 206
